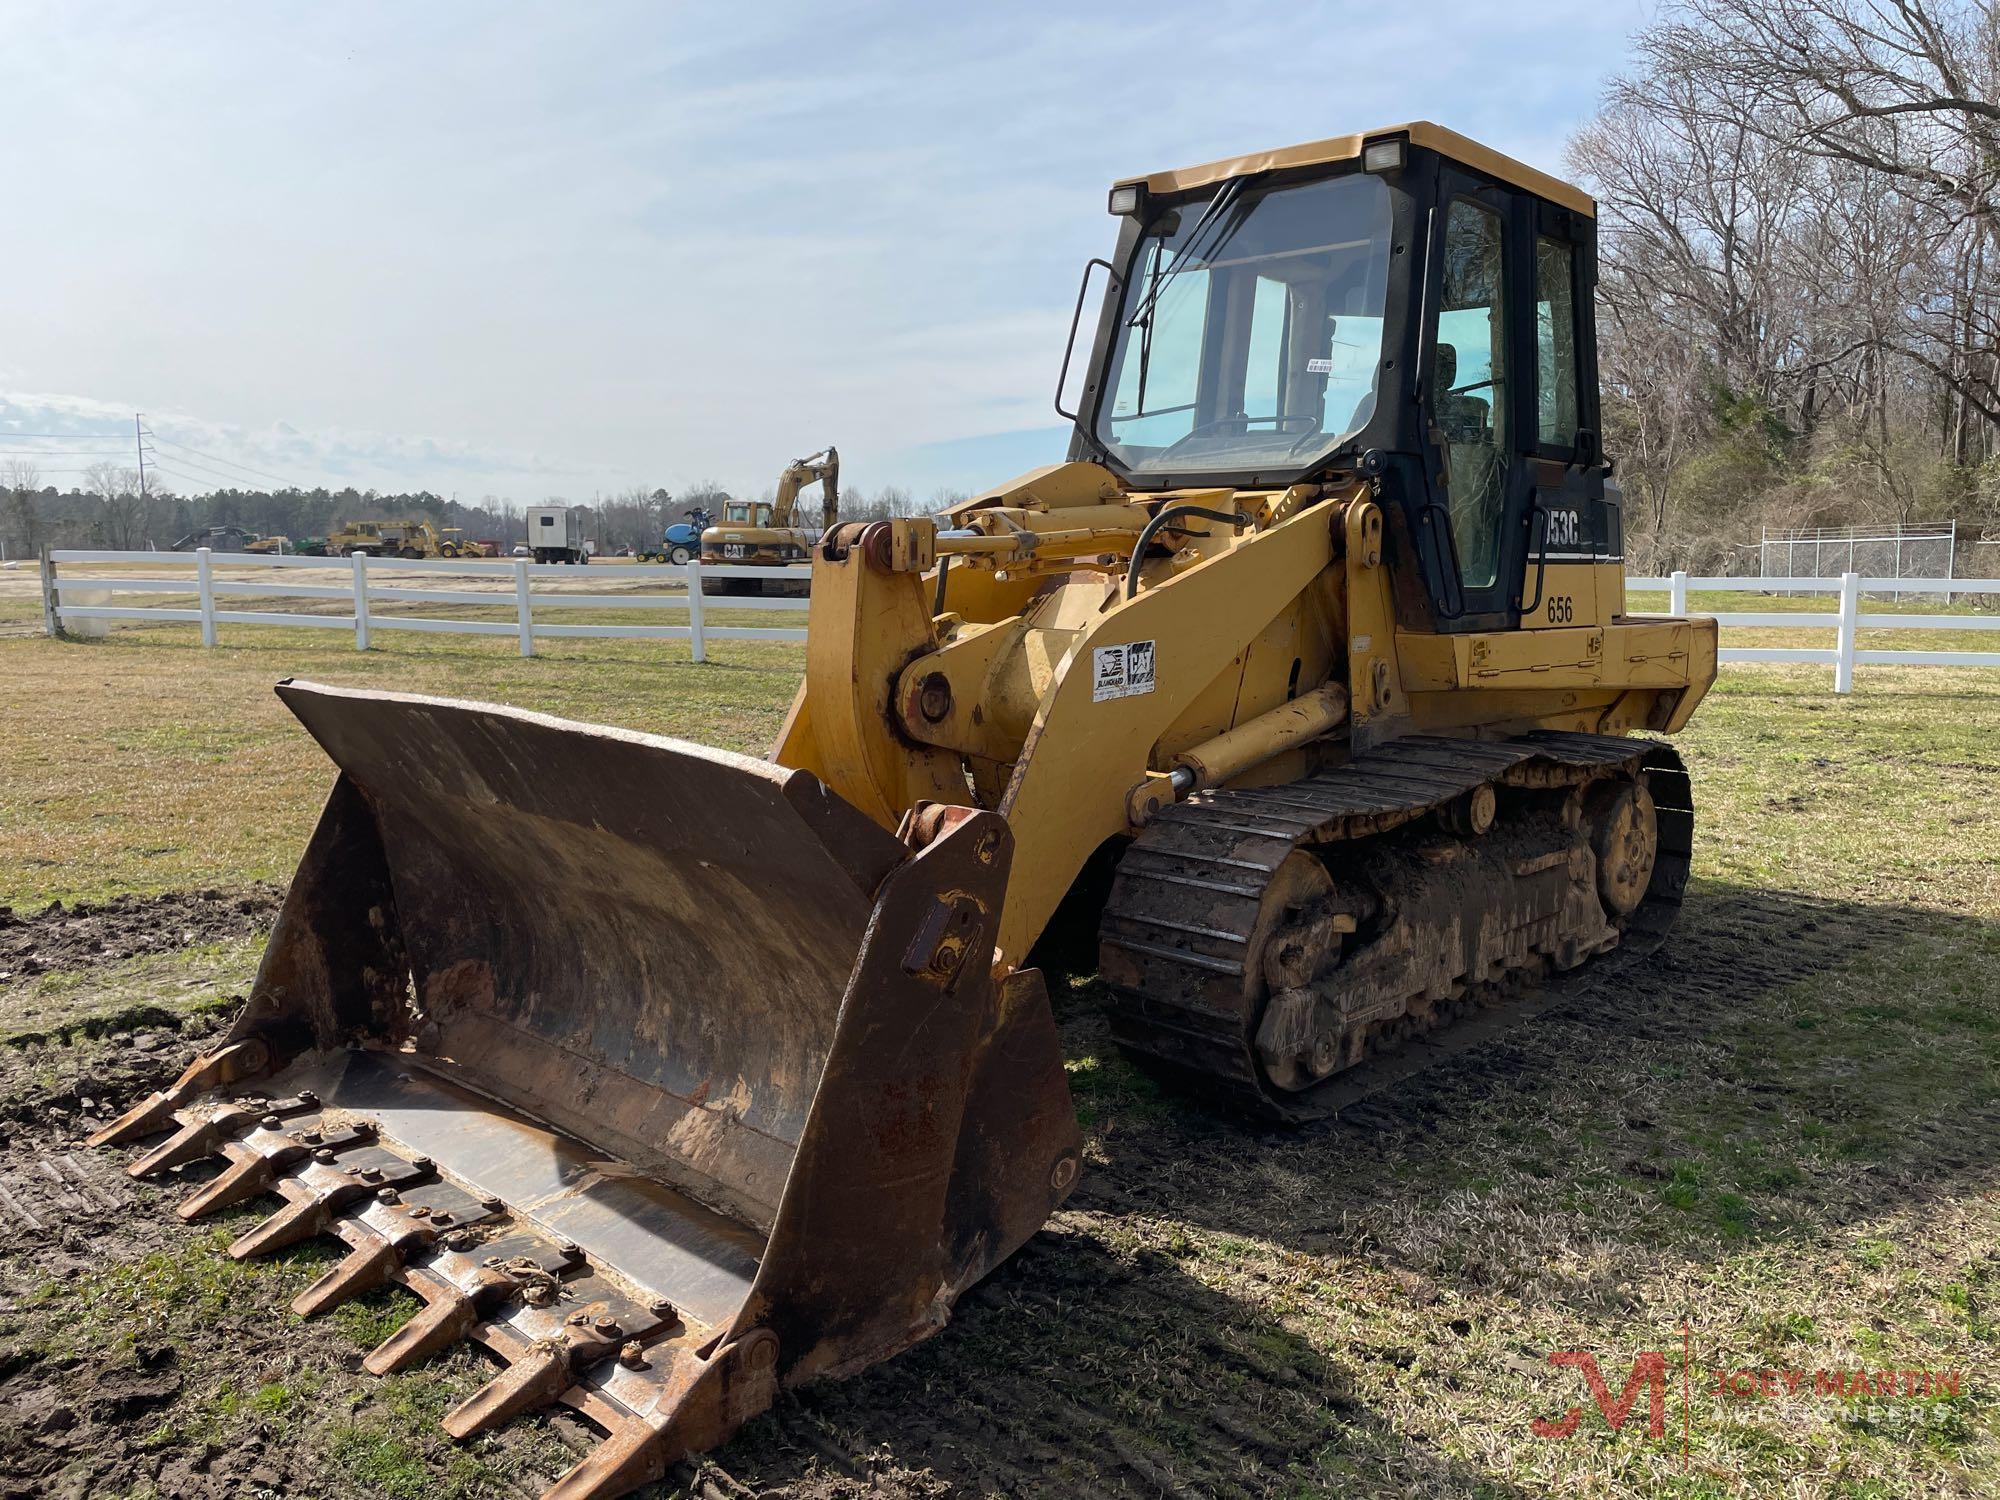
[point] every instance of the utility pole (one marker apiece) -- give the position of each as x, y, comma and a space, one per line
139, 445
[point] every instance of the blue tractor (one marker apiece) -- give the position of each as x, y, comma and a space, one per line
682, 540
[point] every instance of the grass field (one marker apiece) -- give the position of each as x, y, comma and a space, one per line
1776, 1148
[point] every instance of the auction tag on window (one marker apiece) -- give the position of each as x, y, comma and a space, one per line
1121, 671
1319, 367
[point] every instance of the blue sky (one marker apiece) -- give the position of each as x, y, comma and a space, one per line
534, 250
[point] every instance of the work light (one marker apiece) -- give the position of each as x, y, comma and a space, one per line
1382, 156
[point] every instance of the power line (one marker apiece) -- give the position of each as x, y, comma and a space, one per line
233, 479
229, 462
70, 437
188, 479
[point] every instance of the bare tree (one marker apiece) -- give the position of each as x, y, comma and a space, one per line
1797, 207
121, 512
23, 527
1905, 91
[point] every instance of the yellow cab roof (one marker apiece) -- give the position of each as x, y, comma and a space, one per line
1447, 143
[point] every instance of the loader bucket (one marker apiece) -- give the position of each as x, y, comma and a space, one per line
662, 1073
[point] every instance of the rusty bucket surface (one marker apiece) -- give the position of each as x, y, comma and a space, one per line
661, 1072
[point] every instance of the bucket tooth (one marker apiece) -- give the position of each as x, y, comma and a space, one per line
256, 1161
363, 1269
385, 1233
543, 1356
238, 1060
447, 1316
322, 1188
205, 1134
631, 1457
247, 1176
149, 1116
537, 1379
193, 1141
300, 1219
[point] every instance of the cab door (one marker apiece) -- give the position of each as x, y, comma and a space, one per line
1574, 571
1478, 405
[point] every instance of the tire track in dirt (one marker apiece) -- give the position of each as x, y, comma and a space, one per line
1107, 1358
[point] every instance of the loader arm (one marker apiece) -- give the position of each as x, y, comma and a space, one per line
875, 716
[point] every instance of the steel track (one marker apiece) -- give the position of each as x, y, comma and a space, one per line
1187, 895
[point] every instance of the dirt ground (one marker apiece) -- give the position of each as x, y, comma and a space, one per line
1774, 1146
86, 934
1217, 1312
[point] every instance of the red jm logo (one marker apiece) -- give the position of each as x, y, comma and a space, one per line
1648, 1370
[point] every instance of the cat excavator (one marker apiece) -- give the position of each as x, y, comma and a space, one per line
1306, 683
768, 535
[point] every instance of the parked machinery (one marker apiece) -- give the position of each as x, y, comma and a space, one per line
232, 539
680, 543
409, 539
1308, 681
758, 534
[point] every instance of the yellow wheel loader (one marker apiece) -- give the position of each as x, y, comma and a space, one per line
1307, 680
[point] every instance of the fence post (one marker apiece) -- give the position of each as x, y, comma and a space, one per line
524, 606
1850, 612
360, 561
51, 612
697, 646
1677, 593
204, 582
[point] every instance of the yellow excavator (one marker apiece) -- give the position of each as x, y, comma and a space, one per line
1307, 681
770, 535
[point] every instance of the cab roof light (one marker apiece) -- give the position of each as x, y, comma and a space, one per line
1383, 156
1128, 198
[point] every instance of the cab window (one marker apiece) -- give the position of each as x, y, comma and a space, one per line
1555, 342
1470, 387
1154, 404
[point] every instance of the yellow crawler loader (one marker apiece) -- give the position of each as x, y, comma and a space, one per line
1307, 680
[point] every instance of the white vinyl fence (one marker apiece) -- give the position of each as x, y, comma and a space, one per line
1847, 624
69, 596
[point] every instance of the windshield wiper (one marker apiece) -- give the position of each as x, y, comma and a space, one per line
1217, 206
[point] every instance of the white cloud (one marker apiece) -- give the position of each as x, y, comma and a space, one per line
580, 247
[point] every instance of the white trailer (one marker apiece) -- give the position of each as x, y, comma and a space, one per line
555, 534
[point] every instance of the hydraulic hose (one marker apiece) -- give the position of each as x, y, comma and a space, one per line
1168, 514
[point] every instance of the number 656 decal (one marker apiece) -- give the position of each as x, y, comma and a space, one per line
1560, 609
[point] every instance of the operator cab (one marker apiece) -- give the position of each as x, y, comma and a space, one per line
1403, 304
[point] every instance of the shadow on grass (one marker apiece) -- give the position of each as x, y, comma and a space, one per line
1080, 1369
1784, 1063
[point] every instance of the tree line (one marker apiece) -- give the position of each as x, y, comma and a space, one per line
113, 509
1798, 305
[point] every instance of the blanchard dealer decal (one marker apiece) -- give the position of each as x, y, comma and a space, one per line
1121, 671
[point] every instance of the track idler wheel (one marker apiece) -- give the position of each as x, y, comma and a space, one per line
1625, 837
